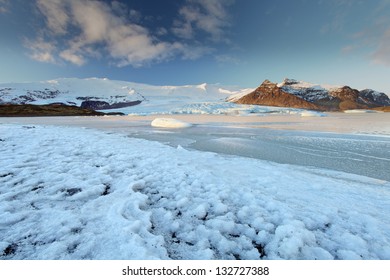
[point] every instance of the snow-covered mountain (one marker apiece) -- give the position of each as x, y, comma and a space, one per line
105, 94
135, 98
299, 94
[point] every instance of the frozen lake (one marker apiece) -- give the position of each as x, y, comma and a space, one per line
366, 155
357, 144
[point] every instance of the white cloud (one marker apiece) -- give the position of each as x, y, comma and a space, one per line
133, 45
56, 15
208, 16
78, 30
94, 28
72, 57
381, 55
41, 50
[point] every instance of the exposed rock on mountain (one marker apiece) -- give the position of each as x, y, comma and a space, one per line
95, 94
270, 94
374, 98
103, 105
297, 94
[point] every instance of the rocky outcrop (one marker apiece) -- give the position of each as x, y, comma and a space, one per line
295, 94
103, 105
55, 109
345, 98
374, 98
270, 94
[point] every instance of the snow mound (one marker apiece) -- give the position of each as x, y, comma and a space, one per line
202, 87
312, 114
360, 111
169, 123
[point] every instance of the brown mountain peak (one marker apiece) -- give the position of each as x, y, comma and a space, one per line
269, 94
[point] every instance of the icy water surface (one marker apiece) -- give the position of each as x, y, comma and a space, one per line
367, 155
361, 154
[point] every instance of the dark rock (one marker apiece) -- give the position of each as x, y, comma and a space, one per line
103, 105
27, 110
107, 189
374, 98
72, 191
115, 114
95, 105
260, 248
10, 250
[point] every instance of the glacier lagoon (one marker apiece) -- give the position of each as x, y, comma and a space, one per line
352, 143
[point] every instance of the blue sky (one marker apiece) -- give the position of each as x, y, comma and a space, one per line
234, 42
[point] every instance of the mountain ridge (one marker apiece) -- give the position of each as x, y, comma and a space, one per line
136, 98
298, 94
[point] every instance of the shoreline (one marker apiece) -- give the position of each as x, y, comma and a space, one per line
360, 123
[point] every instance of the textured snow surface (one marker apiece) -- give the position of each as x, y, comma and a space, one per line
73, 193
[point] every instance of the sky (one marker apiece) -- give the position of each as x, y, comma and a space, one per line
178, 42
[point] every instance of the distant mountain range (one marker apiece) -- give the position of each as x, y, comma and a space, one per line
110, 96
298, 94
105, 95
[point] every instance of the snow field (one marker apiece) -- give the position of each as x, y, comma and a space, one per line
71, 193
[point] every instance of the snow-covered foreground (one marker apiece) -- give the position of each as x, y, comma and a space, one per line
73, 193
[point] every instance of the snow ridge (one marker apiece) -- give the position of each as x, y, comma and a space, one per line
307, 91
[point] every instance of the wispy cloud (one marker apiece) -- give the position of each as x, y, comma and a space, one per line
56, 15
227, 59
381, 54
374, 38
208, 16
4, 6
41, 50
379, 35
348, 49
338, 16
